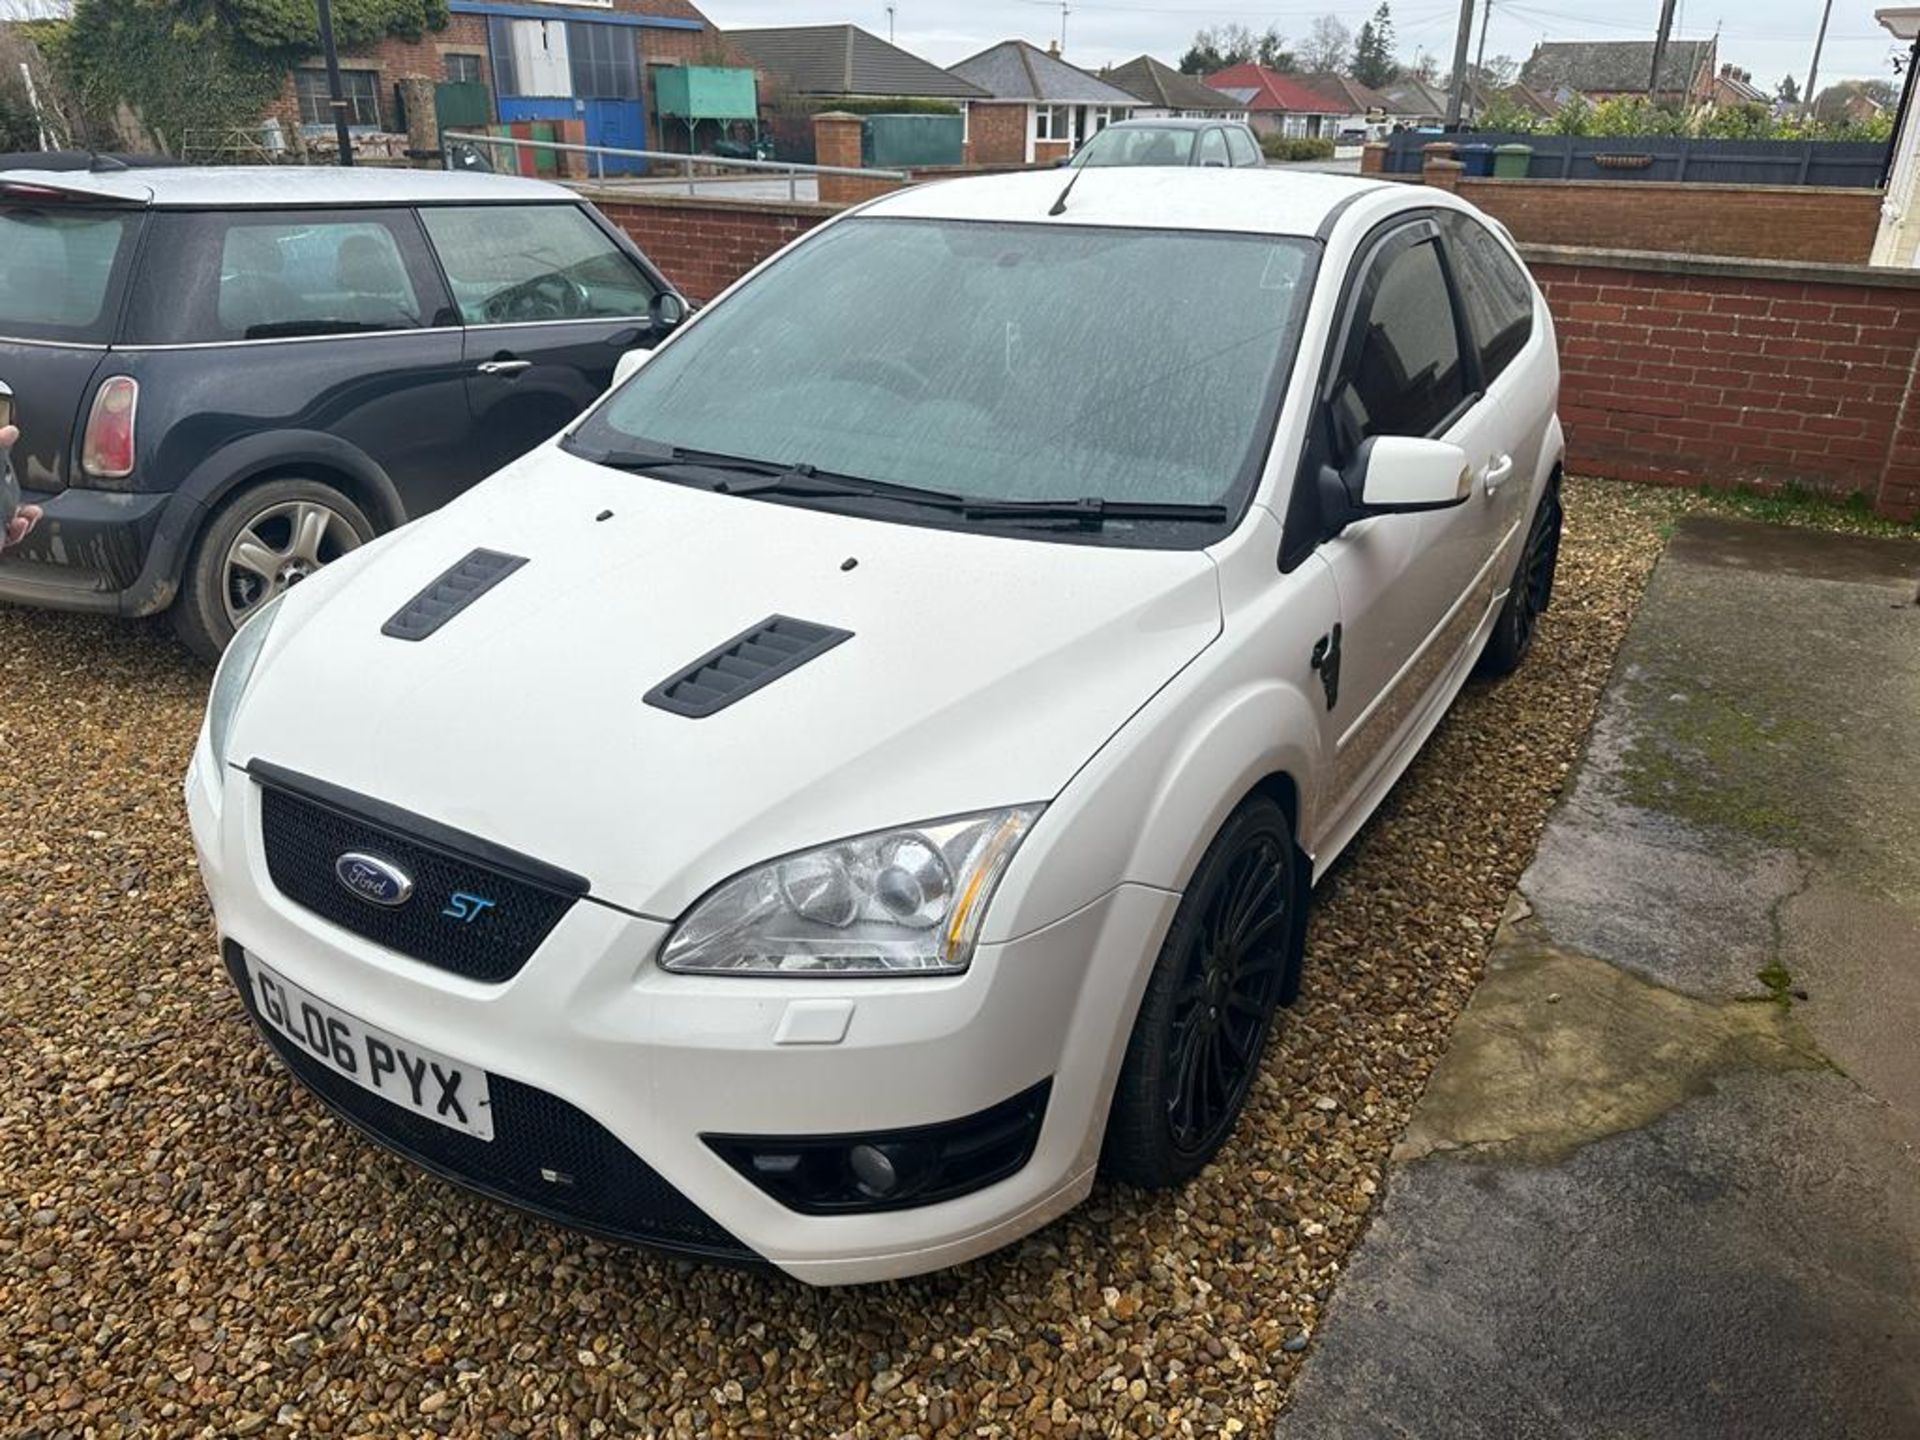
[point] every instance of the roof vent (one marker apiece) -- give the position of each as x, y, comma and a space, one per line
776, 646
453, 592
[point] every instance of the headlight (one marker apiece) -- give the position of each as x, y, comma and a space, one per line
235, 673
900, 902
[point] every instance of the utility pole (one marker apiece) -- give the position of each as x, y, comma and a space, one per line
1480, 62
1660, 49
1819, 44
336, 101
1457, 91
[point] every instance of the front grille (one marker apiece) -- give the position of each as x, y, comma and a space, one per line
486, 934
600, 1185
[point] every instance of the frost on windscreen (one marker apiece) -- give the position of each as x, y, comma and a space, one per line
1008, 361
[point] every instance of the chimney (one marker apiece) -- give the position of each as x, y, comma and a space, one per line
1053, 48
1726, 71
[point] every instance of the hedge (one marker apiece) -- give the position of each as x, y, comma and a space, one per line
1288, 147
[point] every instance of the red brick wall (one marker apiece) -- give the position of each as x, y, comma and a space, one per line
996, 134
703, 246
1772, 222
1766, 376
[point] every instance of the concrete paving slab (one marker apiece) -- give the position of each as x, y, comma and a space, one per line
1666, 1181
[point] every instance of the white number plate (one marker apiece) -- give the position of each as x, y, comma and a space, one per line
424, 1081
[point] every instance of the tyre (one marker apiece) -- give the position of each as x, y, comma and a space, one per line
1532, 589
260, 542
1231, 956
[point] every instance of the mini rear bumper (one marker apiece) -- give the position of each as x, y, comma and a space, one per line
96, 551
595, 1033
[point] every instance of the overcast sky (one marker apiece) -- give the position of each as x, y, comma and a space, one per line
1769, 37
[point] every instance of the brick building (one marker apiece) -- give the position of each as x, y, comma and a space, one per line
1037, 108
581, 60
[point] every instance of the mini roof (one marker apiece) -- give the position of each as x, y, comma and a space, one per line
237, 186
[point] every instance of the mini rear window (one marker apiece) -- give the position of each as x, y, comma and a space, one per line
61, 268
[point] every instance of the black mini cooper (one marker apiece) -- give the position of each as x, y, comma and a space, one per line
225, 378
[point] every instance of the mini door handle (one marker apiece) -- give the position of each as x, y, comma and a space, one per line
504, 367
1497, 473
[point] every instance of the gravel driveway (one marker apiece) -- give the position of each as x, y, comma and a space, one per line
190, 1247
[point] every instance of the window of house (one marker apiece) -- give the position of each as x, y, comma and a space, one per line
359, 88
1053, 122
1401, 370
604, 60
462, 69
524, 264
1493, 291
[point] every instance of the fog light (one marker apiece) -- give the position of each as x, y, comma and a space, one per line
891, 1169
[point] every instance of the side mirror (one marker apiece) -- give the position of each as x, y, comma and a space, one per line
667, 312
1399, 474
1395, 475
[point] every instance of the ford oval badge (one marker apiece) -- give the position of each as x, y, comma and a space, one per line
376, 881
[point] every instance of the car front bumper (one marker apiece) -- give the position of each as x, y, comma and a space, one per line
657, 1060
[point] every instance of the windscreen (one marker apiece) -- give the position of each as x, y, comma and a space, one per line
1131, 146
58, 267
998, 361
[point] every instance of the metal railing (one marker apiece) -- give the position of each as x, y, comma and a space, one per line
793, 171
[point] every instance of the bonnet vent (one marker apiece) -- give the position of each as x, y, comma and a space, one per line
776, 646
453, 592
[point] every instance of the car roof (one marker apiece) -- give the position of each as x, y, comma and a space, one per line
237, 186
1260, 201
1171, 122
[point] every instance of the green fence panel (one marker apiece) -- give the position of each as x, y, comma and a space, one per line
897, 142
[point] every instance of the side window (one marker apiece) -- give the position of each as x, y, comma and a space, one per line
1213, 147
293, 276
1401, 370
522, 264
1494, 292
1245, 152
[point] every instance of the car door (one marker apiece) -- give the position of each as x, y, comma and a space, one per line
1518, 367
1414, 589
550, 299
298, 322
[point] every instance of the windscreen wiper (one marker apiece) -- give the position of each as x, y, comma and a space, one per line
1093, 511
678, 456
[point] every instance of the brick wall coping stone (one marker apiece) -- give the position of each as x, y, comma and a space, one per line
1811, 272
671, 200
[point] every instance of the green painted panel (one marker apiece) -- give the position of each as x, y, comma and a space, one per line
705, 92
897, 141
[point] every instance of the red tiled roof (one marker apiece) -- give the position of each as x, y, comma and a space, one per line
1272, 90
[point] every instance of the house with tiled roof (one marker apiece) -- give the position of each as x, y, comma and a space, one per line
835, 61
1355, 106
1038, 108
1166, 92
1734, 86
1278, 104
1604, 69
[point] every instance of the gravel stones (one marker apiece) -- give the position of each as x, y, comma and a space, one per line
190, 1246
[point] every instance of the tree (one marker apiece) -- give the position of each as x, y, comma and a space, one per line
1328, 46
1497, 73
1788, 90
1373, 62
1223, 45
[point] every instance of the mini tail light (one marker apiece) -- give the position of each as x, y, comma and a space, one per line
106, 451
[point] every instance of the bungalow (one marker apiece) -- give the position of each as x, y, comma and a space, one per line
1355, 107
846, 62
1604, 69
1418, 103
1166, 93
1279, 104
1039, 108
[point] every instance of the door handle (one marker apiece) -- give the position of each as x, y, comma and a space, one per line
504, 367
1497, 473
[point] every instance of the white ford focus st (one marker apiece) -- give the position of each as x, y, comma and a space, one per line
866, 777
